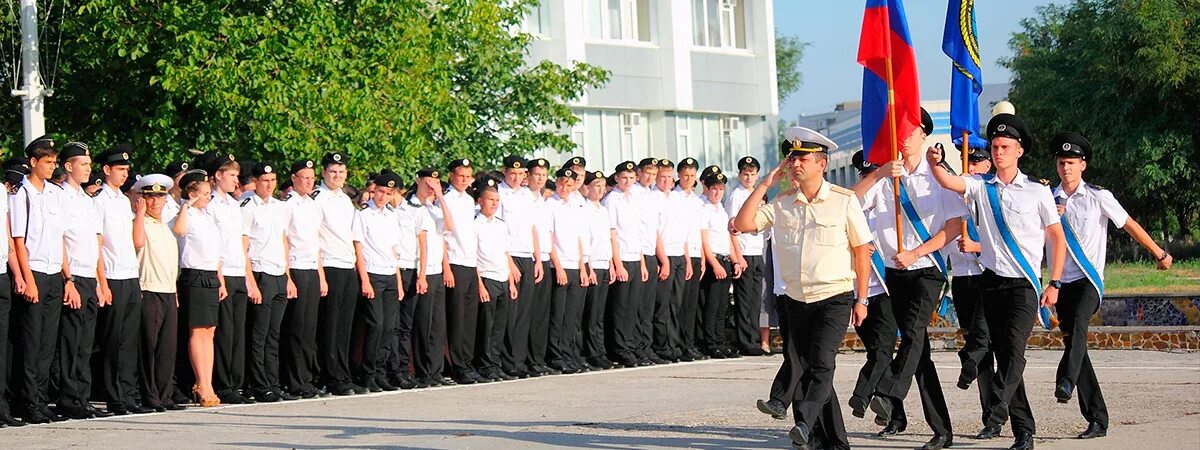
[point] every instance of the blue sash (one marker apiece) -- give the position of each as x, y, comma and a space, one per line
878, 267
918, 226
972, 230
1080, 258
1011, 243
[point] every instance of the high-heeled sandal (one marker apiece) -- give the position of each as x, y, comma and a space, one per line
203, 401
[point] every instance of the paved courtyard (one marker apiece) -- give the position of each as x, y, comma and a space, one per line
1153, 398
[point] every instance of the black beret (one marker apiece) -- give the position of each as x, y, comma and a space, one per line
1010, 126
550, 185
688, 162
1070, 144
19, 164
648, 162
129, 182
388, 179
71, 150
538, 162
245, 178
301, 165
95, 180
334, 158
117, 155
612, 180
575, 161
748, 161
977, 148
926, 122
481, 184
188, 178
710, 170
261, 169
428, 172
564, 172
211, 161
861, 164
514, 162
666, 163
593, 176
714, 178
176, 168
41, 142
458, 163
622, 167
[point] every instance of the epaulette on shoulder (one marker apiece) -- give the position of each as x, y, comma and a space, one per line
1095, 186
361, 206
287, 197
840, 190
245, 202
94, 194
314, 194
1042, 181
390, 207
13, 190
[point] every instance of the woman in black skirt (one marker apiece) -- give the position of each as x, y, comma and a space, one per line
200, 289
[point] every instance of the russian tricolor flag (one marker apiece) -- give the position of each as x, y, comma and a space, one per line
885, 37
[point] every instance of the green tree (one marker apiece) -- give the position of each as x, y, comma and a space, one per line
788, 53
1126, 74
392, 83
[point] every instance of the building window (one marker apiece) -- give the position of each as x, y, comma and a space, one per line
537, 20
719, 23
619, 20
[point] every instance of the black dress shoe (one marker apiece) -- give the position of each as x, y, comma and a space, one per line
858, 407
158, 408
892, 429
36, 417
384, 384
172, 406
1094, 430
8, 420
999, 414
883, 410
967, 375
658, 360
445, 381
118, 410
359, 389
267, 396
286, 396
424, 382
139, 409
341, 390
773, 407
799, 435
231, 398
756, 351
715, 354
939, 442
988, 432
96, 412
405, 381
505, 376
54, 416
731, 353
74, 412
1063, 391
479, 379
464, 379
963, 383
372, 386
1024, 441
305, 392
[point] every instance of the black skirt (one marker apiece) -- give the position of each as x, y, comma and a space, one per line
198, 294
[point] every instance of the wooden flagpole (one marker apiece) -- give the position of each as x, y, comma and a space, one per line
964, 149
891, 112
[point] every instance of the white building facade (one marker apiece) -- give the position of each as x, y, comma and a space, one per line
687, 78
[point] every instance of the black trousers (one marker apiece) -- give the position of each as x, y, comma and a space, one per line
492, 327
265, 323
715, 304
229, 364
298, 362
516, 347
1077, 302
6, 309
914, 295
667, 303
816, 331
621, 315
400, 344
1010, 305
594, 306
159, 336
36, 338
976, 358
878, 334
335, 323
747, 303
689, 309
566, 316
429, 329
118, 331
72, 371
539, 317
830, 426
462, 313
377, 316
646, 304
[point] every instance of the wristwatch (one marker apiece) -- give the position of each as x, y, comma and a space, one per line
70, 279
1057, 284
1164, 255
864, 302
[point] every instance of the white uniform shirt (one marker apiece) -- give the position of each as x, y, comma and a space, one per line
434, 225
461, 243
412, 223
689, 204
1028, 208
266, 222
226, 210
120, 259
337, 246
934, 204
544, 224
170, 210
963, 264
570, 231
600, 250
303, 232
625, 217
38, 217
4, 199
1089, 210
716, 223
200, 247
751, 244
653, 209
875, 285
376, 229
83, 226
676, 226
516, 209
492, 248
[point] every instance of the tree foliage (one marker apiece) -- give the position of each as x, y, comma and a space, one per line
1126, 74
392, 83
789, 51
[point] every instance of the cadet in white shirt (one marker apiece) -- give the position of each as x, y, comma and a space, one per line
7, 266
600, 261
462, 290
656, 260
497, 287
265, 219
539, 308
571, 275
517, 211
689, 203
720, 253
376, 238
629, 271
674, 238
305, 284
77, 329
1017, 217
201, 288
119, 323
336, 318
429, 318
1086, 210
748, 288
410, 255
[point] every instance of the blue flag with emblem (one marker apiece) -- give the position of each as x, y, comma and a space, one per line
1080, 258
914, 220
1010, 243
959, 42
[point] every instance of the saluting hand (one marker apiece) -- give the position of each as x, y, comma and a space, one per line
773, 175
139, 207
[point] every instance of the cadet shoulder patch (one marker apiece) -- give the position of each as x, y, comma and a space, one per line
1042, 181
314, 194
1095, 186
361, 206
245, 202
94, 194
840, 190
287, 197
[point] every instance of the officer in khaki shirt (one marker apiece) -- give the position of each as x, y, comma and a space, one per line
821, 238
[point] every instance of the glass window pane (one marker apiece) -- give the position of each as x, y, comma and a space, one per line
714, 23
614, 19
698, 26
596, 19
727, 25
